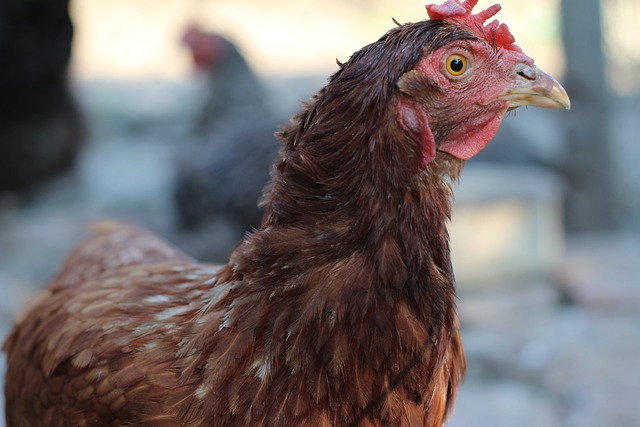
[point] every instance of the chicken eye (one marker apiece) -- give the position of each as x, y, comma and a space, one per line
456, 65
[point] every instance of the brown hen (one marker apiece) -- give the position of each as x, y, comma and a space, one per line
339, 310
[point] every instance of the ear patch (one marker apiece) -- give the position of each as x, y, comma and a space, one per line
414, 122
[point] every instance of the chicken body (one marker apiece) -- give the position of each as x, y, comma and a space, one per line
340, 309
150, 337
220, 179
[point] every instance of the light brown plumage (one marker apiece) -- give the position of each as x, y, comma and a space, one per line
338, 311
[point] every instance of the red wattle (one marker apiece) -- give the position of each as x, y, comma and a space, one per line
475, 138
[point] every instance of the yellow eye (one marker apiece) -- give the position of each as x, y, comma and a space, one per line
456, 65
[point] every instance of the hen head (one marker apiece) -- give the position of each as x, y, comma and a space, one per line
425, 97
474, 78
207, 49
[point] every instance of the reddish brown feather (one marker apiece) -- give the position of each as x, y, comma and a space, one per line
339, 310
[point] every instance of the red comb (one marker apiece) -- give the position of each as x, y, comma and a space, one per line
458, 11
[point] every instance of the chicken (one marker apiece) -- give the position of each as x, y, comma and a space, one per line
41, 128
340, 309
220, 178
233, 90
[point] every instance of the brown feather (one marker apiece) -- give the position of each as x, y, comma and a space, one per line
339, 310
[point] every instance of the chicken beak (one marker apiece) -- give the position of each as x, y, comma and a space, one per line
535, 88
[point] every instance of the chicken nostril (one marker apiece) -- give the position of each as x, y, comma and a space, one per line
524, 75
527, 72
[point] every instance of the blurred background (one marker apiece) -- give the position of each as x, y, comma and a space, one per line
162, 113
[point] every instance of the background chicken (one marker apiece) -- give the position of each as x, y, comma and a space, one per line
41, 129
340, 308
221, 178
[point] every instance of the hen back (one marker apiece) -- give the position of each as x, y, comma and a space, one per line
114, 300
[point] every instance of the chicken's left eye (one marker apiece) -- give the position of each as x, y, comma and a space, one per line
456, 65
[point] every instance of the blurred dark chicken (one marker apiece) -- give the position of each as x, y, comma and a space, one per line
340, 309
233, 89
40, 126
220, 179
